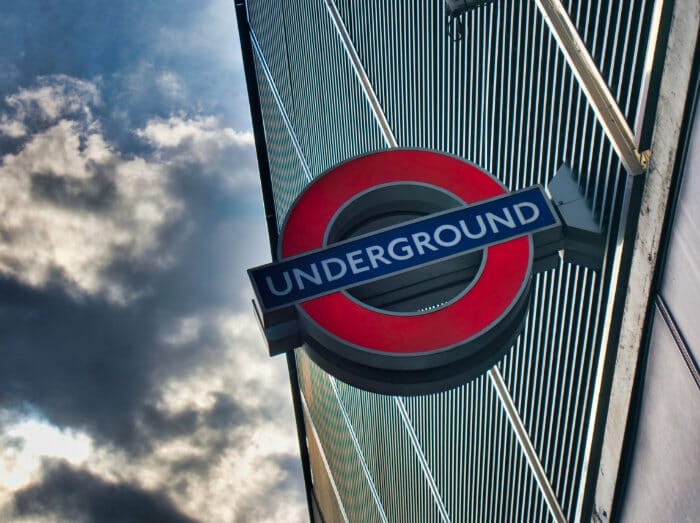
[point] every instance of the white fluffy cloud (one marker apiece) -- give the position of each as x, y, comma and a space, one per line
200, 132
204, 141
52, 98
242, 473
70, 205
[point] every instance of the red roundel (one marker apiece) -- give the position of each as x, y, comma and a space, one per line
419, 341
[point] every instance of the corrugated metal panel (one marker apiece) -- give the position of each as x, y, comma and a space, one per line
332, 119
475, 456
325, 489
509, 80
505, 99
343, 460
616, 33
286, 170
550, 374
269, 27
404, 492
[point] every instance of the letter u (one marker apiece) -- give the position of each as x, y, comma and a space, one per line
480, 234
287, 281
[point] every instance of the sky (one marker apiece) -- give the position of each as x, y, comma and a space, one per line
134, 384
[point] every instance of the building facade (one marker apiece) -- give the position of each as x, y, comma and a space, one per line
601, 388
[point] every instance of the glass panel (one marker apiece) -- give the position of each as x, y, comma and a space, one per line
665, 470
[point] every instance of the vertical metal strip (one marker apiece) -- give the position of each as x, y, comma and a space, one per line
256, 118
361, 74
527, 447
653, 63
617, 381
325, 460
421, 459
280, 105
618, 271
358, 449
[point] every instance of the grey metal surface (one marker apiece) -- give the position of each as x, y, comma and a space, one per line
533, 459
287, 172
326, 492
680, 285
584, 241
665, 472
675, 89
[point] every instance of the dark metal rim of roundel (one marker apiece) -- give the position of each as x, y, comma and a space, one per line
483, 319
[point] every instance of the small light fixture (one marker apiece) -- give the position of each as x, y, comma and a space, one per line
456, 8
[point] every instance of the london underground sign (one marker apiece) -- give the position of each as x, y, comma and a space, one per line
402, 247
405, 271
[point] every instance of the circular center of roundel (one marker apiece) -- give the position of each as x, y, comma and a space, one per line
350, 324
419, 290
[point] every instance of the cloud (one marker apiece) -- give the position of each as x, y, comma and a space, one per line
208, 432
78, 496
12, 128
70, 207
171, 85
125, 320
196, 133
204, 141
53, 97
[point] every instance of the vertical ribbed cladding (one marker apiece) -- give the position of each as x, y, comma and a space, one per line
391, 459
333, 121
616, 33
267, 23
475, 457
343, 460
505, 99
286, 171
550, 371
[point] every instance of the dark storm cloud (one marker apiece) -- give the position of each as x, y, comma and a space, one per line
84, 364
224, 415
88, 363
80, 497
94, 194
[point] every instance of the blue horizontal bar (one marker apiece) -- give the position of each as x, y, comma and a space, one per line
402, 247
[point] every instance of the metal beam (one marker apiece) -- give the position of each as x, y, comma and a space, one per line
651, 81
528, 448
597, 92
673, 97
367, 88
